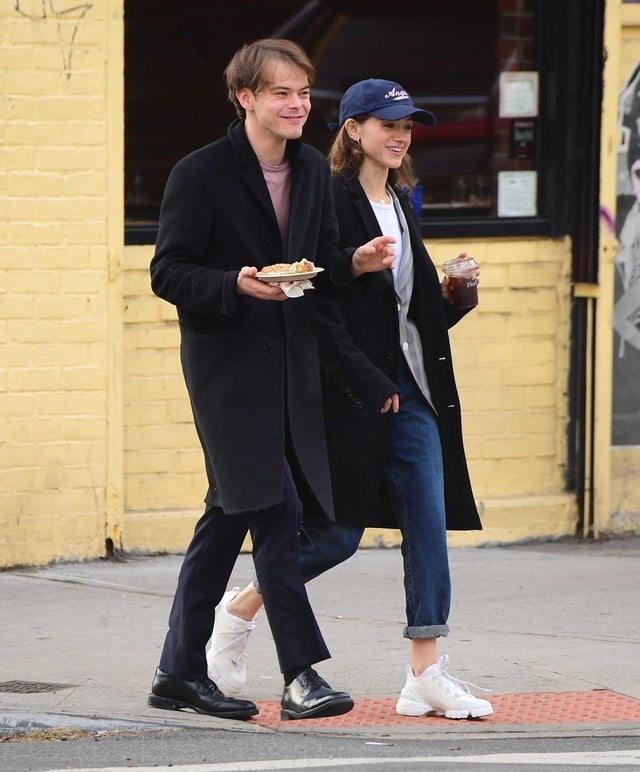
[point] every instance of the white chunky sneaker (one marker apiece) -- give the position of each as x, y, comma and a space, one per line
227, 647
435, 691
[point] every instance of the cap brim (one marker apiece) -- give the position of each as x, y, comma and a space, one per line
396, 112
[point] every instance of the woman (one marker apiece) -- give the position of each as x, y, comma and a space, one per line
408, 461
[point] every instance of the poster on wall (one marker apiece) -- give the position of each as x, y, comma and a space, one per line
626, 310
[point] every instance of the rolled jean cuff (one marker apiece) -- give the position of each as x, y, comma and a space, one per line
426, 631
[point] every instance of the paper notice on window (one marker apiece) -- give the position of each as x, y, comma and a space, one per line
517, 194
518, 94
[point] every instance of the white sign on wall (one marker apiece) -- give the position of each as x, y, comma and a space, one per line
518, 94
517, 194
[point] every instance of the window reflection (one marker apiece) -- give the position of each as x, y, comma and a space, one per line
448, 56
449, 59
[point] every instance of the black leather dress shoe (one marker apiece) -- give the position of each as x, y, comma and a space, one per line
203, 696
309, 696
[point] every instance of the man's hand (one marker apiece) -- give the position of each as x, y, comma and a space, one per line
247, 284
375, 255
393, 404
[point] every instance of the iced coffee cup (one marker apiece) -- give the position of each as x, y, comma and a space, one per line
463, 281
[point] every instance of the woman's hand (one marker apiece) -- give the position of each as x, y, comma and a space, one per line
393, 404
375, 255
445, 289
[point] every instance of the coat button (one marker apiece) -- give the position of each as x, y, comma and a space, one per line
391, 354
271, 347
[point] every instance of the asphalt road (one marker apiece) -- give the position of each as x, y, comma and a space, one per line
220, 750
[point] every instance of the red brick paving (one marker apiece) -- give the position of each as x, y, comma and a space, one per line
598, 706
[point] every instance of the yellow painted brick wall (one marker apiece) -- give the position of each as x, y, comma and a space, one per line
163, 460
54, 296
511, 361
165, 482
97, 435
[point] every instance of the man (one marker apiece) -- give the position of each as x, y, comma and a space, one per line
253, 198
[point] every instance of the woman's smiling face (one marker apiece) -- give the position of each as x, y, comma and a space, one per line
384, 142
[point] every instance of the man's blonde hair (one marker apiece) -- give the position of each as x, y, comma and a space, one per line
247, 68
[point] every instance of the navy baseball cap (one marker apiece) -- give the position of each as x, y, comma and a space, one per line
382, 98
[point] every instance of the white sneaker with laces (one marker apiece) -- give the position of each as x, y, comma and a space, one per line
227, 647
435, 691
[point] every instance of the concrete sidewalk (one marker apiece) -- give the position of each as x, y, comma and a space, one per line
552, 629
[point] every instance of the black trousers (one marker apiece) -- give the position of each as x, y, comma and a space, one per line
205, 574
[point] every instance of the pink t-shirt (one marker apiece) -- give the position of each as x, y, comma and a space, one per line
278, 179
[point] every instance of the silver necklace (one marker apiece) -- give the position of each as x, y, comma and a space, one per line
377, 199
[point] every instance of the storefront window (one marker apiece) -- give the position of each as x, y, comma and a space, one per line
474, 63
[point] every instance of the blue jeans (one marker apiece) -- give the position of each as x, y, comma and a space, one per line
324, 545
415, 478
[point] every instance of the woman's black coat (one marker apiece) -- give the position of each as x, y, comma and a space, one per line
251, 365
358, 443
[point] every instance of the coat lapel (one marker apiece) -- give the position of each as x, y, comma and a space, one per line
404, 275
370, 223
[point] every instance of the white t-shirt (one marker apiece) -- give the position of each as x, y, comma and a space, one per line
390, 226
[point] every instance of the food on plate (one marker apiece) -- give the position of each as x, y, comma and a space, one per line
300, 266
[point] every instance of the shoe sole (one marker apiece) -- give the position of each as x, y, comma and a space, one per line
335, 708
405, 707
165, 703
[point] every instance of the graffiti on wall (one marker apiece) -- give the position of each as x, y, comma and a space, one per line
65, 15
626, 311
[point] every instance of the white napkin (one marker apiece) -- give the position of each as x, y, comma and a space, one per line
294, 289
